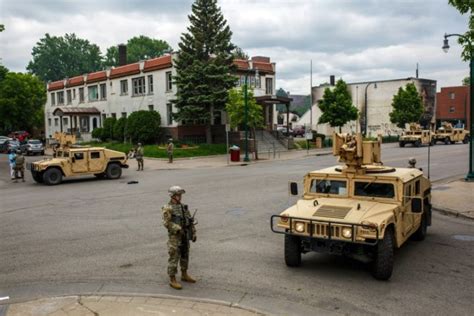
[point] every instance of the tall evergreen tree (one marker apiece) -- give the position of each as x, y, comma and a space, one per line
204, 65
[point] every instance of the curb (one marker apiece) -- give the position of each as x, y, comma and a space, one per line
452, 213
149, 295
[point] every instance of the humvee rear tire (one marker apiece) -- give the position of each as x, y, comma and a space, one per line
114, 171
433, 142
37, 176
418, 143
292, 251
52, 176
420, 233
465, 140
447, 141
383, 264
401, 144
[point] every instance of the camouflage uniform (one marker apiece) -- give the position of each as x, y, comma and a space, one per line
176, 218
139, 157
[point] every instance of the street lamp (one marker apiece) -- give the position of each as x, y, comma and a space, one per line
365, 107
246, 107
470, 174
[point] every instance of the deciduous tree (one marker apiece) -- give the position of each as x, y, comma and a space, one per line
407, 106
144, 126
55, 58
337, 106
466, 6
204, 65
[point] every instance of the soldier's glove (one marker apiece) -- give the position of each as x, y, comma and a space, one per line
194, 238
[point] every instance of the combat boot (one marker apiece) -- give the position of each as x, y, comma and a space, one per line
186, 277
174, 284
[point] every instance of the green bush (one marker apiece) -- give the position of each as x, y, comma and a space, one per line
108, 128
316, 135
119, 129
144, 126
98, 133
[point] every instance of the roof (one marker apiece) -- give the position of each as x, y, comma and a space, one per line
56, 85
158, 63
404, 174
131, 69
272, 99
75, 81
97, 76
74, 110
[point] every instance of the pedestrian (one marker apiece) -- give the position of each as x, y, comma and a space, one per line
19, 166
180, 225
139, 156
11, 161
169, 150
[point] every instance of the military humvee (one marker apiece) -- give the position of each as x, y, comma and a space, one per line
362, 210
72, 160
416, 136
449, 135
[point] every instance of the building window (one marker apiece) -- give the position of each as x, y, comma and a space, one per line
124, 114
49, 122
451, 95
64, 121
269, 86
74, 94
69, 96
150, 107
452, 109
93, 93
53, 99
169, 113
123, 87
138, 86
56, 121
150, 84
60, 96
113, 115
103, 91
81, 95
169, 81
94, 123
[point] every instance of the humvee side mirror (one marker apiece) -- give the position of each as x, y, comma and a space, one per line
294, 188
416, 205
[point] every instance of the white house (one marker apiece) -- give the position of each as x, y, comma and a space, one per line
82, 103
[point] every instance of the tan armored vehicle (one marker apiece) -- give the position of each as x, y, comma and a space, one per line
416, 136
363, 210
449, 135
72, 160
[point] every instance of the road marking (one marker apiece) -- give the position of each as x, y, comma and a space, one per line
4, 298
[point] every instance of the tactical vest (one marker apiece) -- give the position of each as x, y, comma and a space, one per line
20, 161
178, 215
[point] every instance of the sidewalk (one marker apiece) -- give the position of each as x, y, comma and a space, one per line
454, 198
123, 306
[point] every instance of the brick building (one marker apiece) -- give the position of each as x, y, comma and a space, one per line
452, 105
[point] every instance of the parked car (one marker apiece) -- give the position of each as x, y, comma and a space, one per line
32, 147
3, 139
10, 144
284, 130
299, 131
20, 135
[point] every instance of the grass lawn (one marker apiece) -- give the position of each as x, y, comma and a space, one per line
159, 151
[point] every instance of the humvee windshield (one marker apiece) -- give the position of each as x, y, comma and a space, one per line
328, 186
374, 189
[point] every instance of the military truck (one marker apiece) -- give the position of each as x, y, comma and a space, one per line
416, 136
450, 135
362, 210
72, 160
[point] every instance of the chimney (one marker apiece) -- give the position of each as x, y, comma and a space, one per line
122, 51
332, 80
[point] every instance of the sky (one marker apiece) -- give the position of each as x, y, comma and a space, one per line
358, 40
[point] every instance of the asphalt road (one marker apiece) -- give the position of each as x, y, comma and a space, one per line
104, 236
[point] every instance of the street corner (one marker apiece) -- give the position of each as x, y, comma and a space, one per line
455, 198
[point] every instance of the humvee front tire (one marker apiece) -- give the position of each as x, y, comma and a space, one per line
292, 251
401, 144
52, 176
114, 171
432, 142
420, 233
383, 264
465, 140
418, 143
37, 176
447, 141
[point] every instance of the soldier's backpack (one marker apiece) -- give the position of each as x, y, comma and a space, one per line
19, 161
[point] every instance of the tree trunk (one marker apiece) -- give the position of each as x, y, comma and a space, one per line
209, 125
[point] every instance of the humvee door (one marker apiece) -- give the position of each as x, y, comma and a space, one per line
79, 161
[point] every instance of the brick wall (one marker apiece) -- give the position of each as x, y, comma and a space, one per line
452, 104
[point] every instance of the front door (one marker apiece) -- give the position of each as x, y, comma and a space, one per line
96, 160
407, 214
79, 161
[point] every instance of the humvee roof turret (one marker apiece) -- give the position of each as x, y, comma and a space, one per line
74, 160
361, 209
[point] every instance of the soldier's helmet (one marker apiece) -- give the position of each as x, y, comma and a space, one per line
412, 161
170, 140
18, 151
139, 144
175, 190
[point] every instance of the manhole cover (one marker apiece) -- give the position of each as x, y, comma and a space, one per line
464, 237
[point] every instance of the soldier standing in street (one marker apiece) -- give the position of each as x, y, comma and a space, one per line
169, 150
139, 156
180, 224
19, 166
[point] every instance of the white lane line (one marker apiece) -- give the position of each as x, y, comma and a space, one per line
4, 298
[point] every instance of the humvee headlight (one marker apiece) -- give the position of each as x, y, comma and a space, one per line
284, 218
347, 232
299, 227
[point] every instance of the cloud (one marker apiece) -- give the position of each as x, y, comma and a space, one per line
357, 40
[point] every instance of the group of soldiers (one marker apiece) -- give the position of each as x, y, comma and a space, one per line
16, 161
138, 153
